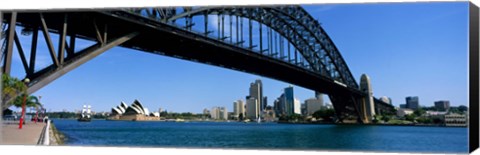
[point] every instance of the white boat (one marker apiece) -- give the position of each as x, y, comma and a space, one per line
259, 120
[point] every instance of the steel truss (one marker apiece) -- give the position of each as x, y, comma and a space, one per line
64, 58
292, 36
291, 22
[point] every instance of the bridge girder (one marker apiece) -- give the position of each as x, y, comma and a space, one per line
324, 59
64, 58
294, 24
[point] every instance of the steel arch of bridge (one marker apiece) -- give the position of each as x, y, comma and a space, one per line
292, 22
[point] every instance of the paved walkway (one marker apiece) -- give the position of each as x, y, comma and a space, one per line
28, 135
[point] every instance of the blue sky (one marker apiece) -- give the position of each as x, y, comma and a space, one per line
407, 49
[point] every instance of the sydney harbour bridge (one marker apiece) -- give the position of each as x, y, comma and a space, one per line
280, 42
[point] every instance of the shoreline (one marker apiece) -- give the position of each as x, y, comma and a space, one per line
56, 137
412, 125
283, 122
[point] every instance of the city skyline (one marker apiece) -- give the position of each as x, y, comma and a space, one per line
184, 86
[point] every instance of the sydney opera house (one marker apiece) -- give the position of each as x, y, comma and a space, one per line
134, 112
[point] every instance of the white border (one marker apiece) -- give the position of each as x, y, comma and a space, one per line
105, 4
97, 4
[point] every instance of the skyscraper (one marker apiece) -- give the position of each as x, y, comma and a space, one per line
215, 113
296, 106
289, 100
256, 91
238, 109
264, 103
442, 105
252, 108
312, 105
412, 102
277, 107
223, 113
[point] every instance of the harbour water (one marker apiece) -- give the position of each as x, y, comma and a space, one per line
269, 136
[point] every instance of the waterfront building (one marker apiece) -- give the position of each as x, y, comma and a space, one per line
289, 100
238, 109
412, 102
252, 108
206, 111
264, 103
455, 120
223, 113
303, 109
219, 113
402, 112
277, 107
269, 114
136, 111
296, 106
442, 105
280, 105
312, 105
435, 113
366, 87
256, 91
215, 113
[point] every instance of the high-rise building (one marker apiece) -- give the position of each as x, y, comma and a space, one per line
312, 105
264, 103
215, 113
256, 91
289, 100
442, 105
252, 108
269, 114
297, 109
277, 107
219, 113
319, 96
238, 109
304, 109
412, 102
206, 112
223, 113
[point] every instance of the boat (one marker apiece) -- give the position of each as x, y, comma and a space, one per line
85, 116
259, 120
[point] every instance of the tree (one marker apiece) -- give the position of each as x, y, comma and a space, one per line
30, 101
326, 114
385, 118
419, 112
462, 108
11, 89
295, 117
410, 117
425, 120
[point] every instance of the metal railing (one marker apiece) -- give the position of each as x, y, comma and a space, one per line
45, 136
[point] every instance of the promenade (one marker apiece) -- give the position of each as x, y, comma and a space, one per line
28, 135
